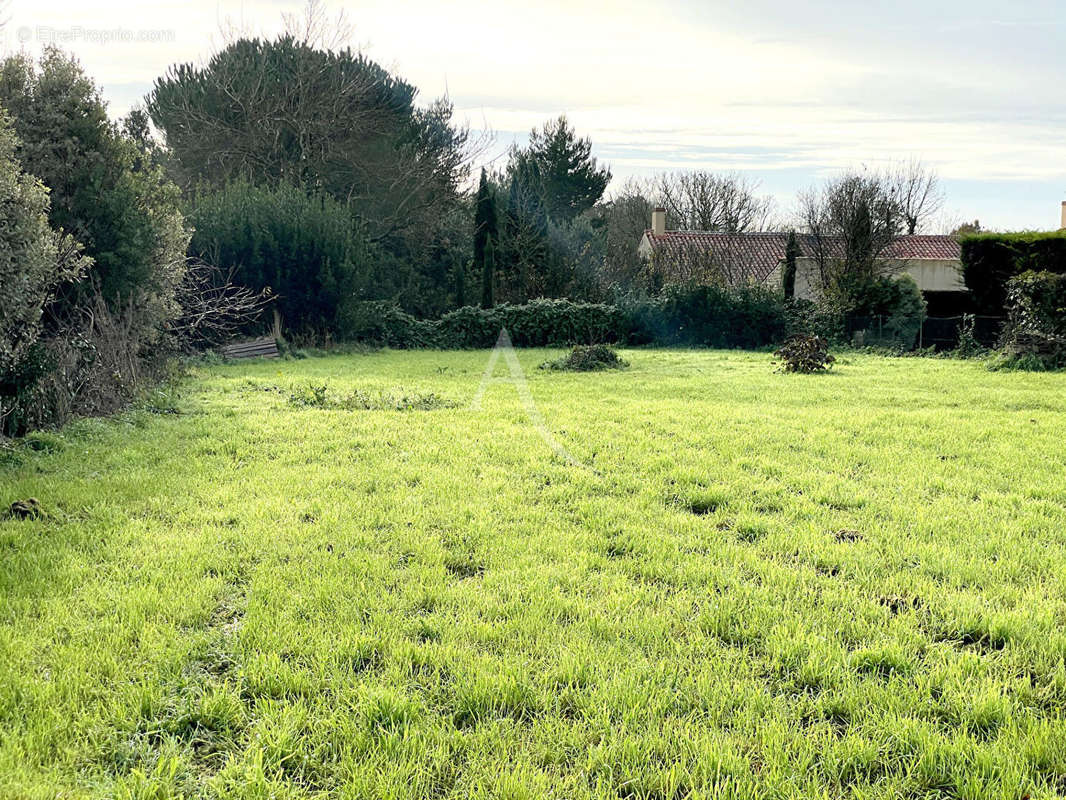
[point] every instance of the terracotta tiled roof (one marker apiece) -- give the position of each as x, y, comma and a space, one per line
762, 252
944, 248
759, 252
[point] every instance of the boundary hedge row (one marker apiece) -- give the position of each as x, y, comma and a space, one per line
990, 260
710, 316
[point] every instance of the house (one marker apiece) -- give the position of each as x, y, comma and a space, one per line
933, 261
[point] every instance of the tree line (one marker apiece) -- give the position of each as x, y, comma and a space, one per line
283, 182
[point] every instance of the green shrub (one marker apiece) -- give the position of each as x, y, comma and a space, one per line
968, 346
103, 190
546, 323
889, 310
383, 323
807, 317
904, 308
700, 315
471, 326
105, 334
34, 263
587, 358
990, 260
541, 323
1035, 336
804, 353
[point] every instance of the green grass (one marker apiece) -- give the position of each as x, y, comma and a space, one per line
766, 585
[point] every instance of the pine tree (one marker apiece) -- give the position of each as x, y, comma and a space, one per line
789, 274
488, 270
571, 182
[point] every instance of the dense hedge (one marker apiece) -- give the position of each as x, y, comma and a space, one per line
692, 315
541, 323
713, 316
306, 249
990, 260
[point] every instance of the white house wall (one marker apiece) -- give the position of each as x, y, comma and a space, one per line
931, 275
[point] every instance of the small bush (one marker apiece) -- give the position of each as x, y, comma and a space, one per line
804, 354
312, 395
588, 358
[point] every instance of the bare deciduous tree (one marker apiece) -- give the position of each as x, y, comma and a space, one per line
699, 201
917, 190
852, 220
627, 217
706, 201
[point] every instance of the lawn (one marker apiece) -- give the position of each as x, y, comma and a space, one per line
751, 585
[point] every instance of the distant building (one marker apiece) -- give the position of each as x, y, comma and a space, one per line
933, 261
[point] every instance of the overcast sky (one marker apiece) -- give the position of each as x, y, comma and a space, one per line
786, 91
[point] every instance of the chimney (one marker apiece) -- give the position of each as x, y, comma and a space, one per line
658, 220
1063, 215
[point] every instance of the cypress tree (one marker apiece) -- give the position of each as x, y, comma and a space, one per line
488, 268
486, 223
789, 274
460, 283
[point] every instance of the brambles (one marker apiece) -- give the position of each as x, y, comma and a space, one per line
1035, 337
589, 358
319, 396
968, 346
804, 353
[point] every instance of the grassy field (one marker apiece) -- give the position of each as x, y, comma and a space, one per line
763, 585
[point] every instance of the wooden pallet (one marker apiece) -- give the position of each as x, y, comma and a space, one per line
265, 347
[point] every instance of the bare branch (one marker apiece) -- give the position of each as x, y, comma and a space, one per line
705, 201
918, 192
214, 308
315, 28
851, 221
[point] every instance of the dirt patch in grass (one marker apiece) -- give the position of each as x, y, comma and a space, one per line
847, 535
463, 568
